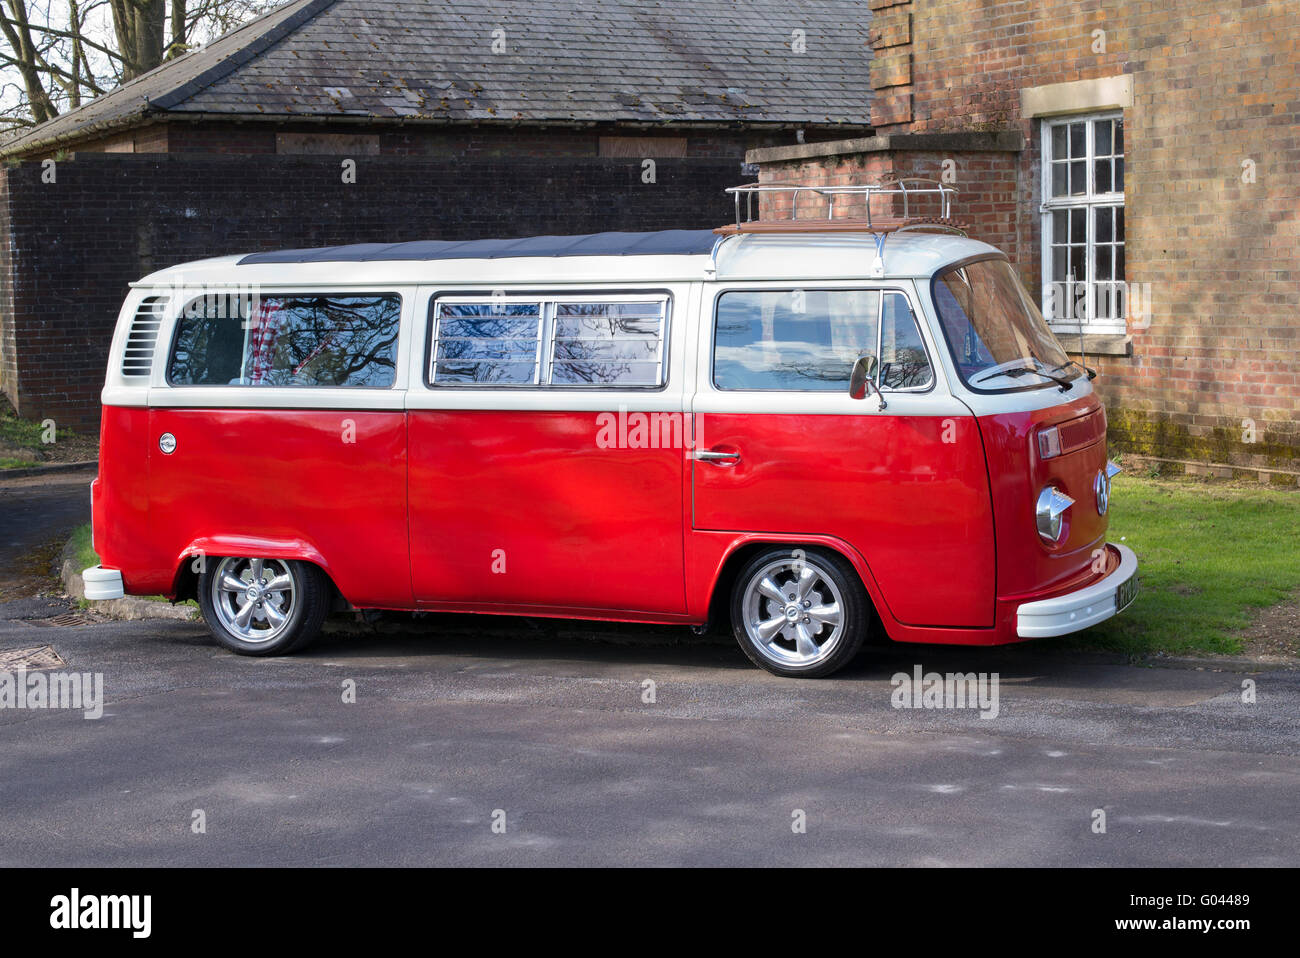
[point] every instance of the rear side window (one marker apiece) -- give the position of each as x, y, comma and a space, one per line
570, 341
297, 339
808, 340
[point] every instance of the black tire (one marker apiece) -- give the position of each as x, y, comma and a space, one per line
304, 613
836, 583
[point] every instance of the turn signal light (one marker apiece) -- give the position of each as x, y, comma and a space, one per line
1049, 443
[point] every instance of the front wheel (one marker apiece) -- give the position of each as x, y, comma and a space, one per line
799, 612
263, 606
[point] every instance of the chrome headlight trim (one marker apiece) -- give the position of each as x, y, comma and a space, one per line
1050, 512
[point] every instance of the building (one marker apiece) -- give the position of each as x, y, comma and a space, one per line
1140, 163
337, 121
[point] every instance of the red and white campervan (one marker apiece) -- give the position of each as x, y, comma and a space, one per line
813, 430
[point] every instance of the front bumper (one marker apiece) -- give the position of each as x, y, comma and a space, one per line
1077, 610
103, 583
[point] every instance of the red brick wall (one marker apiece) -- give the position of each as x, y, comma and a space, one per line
987, 184
1215, 84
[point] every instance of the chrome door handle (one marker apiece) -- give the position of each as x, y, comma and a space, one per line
709, 455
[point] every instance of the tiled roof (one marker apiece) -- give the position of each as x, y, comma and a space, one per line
524, 61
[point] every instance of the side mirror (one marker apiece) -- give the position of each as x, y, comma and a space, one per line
864, 372
863, 379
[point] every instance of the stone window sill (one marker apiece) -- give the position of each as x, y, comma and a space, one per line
1116, 344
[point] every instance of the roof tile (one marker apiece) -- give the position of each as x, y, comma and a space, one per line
560, 60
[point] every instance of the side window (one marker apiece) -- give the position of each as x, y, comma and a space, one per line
608, 344
903, 363
297, 339
576, 341
793, 339
489, 343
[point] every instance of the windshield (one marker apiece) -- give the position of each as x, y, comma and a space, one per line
997, 336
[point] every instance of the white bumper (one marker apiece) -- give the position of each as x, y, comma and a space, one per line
103, 583
1088, 606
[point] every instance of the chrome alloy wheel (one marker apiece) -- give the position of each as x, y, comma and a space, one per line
793, 612
254, 598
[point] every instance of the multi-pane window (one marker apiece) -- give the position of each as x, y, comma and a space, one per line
565, 341
1083, 223
292, 339
607, 344
488, 344
808, 340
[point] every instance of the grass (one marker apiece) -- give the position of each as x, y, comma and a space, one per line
18, 433
81, 550
1209, 555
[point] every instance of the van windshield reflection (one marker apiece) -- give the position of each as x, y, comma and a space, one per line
995, 332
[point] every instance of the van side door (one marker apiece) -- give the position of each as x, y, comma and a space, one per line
782, 449
547, 464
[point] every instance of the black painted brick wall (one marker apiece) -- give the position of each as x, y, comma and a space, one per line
69, 249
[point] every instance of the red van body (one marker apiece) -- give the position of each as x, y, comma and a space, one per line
613, 428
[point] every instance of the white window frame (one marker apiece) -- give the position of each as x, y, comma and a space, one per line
1087, 201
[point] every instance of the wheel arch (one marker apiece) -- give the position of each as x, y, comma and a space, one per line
741, 549
189, 564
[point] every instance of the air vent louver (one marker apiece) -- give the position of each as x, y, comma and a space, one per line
137, 360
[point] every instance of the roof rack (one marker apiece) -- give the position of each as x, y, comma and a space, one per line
880, 225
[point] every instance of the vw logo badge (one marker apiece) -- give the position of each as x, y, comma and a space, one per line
1101, 486
167, 443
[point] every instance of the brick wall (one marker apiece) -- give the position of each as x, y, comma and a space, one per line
8, 347
1214, 84
988, 181
111, 218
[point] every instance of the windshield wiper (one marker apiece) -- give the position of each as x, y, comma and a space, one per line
1092, 373
1017, 371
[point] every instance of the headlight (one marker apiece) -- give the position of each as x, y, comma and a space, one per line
1050, 513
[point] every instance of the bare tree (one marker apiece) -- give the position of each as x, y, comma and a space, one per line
57, 54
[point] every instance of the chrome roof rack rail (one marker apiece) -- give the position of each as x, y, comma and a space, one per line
909, 188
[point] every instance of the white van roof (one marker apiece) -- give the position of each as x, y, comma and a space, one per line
666, 255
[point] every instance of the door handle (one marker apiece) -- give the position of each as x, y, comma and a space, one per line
713, 455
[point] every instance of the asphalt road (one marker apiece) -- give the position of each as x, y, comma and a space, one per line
450, 726
458, 720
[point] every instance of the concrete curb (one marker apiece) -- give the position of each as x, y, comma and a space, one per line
128, 608
1275, 663
47, 468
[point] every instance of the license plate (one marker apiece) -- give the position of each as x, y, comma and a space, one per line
1125, 594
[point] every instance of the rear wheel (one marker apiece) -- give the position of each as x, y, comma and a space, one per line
263, 606
799, 612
